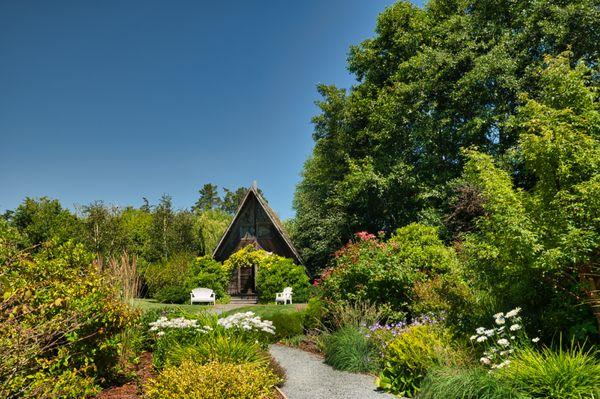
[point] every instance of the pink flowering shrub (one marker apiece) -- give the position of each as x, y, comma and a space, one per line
370, 269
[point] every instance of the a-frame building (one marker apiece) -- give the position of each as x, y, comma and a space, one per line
255, 224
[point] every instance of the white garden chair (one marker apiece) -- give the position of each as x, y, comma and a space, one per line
284, 296
202, 295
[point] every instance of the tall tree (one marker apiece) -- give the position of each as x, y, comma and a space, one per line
210, 226
104, 233
40, 220
209, 198
431, 81
233, 199
162, 226
542, 245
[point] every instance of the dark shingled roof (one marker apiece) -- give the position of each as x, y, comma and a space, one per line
253, 191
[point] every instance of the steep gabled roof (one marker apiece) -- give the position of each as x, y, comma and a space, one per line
254, 193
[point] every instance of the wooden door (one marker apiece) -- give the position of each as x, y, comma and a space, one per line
243, 281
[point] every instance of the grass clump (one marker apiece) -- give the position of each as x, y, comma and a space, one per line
466, 383
221, 349
564, 374
348, 349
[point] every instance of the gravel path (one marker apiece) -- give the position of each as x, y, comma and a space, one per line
309, 378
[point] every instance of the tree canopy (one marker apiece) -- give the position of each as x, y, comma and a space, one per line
431, 82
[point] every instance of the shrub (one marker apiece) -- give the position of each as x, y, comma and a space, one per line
207, 272
59, 323
288, 325
348, 349
466, 383
296, 340
411, 355
314, 314
358, 314
167, 280
378, 272
275, 273
150, 316
245, 257
463, 307
381, 335
213, 381
564, 374
172, 294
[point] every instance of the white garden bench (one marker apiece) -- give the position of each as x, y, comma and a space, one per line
284, 296
202, 295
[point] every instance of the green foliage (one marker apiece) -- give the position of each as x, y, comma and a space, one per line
59, 323
167, 280
211, 225
209, 198
171, 232
207, 272
39, 220
288, 325
466, 383
172, 294
245, 257
275, 273
213, 381
431, 81
357, 314
222, 349
164, 345
538, 246
565, 374
411, 355
385, 273
348, 349
314, 313
104, 233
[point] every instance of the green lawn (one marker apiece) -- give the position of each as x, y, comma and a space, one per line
266, 311
261, 310
149, 304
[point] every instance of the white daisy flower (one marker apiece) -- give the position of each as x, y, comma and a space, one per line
513, 312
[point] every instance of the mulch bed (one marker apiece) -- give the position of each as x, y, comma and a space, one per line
310, 346
134, 388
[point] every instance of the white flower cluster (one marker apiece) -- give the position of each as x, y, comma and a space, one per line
247, 321
180, 322
499, 339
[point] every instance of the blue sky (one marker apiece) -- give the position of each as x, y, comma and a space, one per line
119, 100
